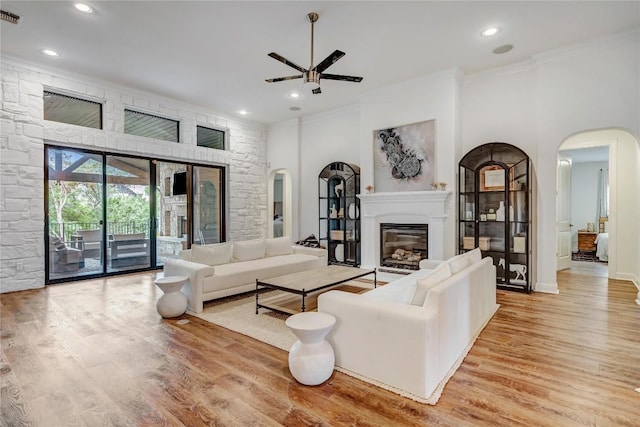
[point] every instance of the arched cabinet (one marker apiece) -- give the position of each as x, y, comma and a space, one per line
494, 200
339, 212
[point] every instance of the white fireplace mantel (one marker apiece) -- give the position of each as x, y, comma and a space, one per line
406, 207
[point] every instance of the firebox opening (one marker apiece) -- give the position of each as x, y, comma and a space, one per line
403, 245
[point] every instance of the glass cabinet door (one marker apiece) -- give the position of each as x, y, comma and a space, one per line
339, 212
493, 210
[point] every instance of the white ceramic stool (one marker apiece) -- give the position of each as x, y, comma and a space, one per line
173, 303
311, 358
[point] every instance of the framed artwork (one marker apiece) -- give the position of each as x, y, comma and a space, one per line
404, 157
492, 178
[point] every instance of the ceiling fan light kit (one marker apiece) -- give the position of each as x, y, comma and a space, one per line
312, 76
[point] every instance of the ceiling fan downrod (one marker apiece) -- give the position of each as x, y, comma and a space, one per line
313, 18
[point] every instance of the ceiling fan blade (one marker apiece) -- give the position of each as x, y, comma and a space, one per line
341, 77
337, 54
286, 61
281, 79
316, 91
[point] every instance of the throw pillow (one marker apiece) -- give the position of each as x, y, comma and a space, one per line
278, 246
426, 283
474, 256
310, 242
458, 263
212, 254
248, 250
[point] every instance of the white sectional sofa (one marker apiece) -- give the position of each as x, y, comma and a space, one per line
224, 269
411, 334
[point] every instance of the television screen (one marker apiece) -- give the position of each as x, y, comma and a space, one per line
179, 183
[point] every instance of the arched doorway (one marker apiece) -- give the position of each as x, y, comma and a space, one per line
622, 227
280, 206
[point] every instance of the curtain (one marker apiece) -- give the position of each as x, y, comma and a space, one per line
603, 194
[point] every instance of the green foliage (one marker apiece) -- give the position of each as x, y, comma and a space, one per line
121, 207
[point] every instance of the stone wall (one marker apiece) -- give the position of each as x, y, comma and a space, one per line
24, 133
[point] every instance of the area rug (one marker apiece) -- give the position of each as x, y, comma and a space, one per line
237, 314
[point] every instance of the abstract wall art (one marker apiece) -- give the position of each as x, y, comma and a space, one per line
404, 157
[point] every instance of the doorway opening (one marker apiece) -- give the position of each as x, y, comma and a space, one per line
589, 208
280, 210
592, 223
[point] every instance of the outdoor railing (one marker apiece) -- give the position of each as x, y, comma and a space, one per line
68, 229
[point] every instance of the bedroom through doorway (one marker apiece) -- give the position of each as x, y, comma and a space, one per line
589, 208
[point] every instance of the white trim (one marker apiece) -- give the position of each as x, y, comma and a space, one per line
547, 288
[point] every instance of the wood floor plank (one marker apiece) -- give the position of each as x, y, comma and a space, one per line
97, 353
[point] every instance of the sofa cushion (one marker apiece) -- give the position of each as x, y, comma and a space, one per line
212, 254
278, 246
474, 256
399, 290
423, 285
248, 250
246, 272
458, 263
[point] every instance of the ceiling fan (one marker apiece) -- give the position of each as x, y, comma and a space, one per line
312, 75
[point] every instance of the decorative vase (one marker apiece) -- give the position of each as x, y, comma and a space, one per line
339, 253
353, 211
500, 212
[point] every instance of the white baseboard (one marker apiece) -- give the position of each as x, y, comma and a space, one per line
548, 288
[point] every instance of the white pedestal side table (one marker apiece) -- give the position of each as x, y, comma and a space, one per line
311, 358
173, 303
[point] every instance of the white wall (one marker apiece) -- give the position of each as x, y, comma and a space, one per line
283, 152
537, 107
325, 138
24, 133
346, 135
534, 105
432, 97
585, 178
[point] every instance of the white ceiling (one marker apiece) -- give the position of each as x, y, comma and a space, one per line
214, 54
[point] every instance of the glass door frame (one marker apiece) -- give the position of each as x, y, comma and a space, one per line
153, 204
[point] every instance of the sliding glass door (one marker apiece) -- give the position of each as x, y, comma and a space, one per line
172, 219
75, 234
128, 213
112, 213
207, 218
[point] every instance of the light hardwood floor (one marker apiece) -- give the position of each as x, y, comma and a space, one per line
96, 353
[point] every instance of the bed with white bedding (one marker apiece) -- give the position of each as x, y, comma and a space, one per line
602, 246
602, 240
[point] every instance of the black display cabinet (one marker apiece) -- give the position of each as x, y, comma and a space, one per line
339, 212
494, 200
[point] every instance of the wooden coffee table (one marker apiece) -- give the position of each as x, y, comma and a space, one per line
306, 282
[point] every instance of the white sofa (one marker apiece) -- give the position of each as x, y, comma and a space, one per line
224, 269
414, 349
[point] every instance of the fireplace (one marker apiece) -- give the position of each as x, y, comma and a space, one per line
406, 207
403, 245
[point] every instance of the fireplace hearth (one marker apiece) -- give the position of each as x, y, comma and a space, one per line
403, 245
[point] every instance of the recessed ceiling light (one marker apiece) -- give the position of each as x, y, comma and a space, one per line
243, 112
491, 31
294, 108
294, 95
50, 52
84, 8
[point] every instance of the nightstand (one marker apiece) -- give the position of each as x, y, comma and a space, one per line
587, 240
